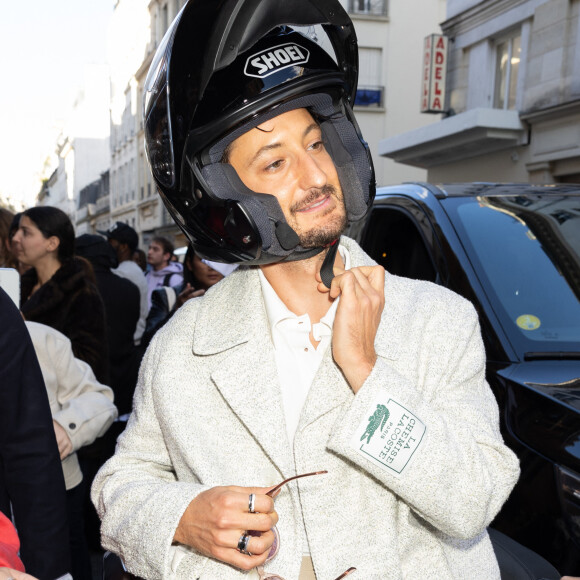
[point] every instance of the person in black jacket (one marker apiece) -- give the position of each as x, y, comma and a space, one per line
57, 290
31, 480
122, 306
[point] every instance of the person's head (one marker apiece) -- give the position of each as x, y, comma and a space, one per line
123, 238
97, 251
44, 233
200, 275
281, 73
140, 258
14, 224
13, 245
159, 252
6, 217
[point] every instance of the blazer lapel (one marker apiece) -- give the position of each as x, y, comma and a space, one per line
246, 375
328, 390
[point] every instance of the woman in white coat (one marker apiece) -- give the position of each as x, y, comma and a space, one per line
82, 410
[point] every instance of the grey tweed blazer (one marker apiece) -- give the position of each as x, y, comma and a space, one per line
417, 468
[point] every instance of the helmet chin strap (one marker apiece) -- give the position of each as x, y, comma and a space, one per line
327, 268
289, 239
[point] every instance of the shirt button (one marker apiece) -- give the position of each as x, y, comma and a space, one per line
306, 349
72, 425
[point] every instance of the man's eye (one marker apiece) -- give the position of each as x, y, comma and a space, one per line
317, 145
275, 165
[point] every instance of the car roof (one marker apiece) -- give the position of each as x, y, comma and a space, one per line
480, 188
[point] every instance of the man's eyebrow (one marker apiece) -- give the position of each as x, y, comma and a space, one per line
314, 125
278, 144
263, 150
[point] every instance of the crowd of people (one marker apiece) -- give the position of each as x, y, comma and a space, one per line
75, 349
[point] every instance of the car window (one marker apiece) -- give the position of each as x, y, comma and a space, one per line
526, 256
393, 240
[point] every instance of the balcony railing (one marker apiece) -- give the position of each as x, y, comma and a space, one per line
369, 97
368, 7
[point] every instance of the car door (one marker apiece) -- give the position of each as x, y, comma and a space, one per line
399, 236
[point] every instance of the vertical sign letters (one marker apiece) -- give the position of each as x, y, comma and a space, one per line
434, 73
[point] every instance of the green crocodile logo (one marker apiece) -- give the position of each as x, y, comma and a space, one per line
376, 420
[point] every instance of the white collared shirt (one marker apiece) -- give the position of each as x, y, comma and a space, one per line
297, 360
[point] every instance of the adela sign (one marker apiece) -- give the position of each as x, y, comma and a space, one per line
434, 73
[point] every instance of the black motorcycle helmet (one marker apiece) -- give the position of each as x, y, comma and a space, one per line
224, 67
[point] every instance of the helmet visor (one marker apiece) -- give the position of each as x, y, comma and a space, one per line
158, 130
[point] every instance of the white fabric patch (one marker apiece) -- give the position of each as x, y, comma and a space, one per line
389, 436
223, 269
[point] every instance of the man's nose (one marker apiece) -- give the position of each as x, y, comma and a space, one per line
312, 175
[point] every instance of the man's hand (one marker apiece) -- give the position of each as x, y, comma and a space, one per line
215, 520
7, 573
65, 446
357, 320
188, 292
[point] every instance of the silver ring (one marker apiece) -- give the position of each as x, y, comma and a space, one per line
251, 502
243, 543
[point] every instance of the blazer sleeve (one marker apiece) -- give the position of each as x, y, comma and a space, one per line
137, 494
30, 468
86, 406
434, 442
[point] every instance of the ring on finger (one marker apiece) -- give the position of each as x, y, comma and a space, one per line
251, 502
243, 543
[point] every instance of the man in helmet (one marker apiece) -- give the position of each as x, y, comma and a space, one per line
309, 357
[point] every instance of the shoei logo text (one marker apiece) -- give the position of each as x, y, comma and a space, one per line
274, 59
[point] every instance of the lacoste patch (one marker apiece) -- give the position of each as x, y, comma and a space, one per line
389, 436
271, 60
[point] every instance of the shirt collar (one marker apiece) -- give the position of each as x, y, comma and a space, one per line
277, 311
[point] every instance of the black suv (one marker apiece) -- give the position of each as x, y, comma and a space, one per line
513, 250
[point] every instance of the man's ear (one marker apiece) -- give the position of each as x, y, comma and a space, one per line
53, 243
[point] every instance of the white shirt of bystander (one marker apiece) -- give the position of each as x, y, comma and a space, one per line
130, 270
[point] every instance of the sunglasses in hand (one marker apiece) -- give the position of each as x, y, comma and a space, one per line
263, 575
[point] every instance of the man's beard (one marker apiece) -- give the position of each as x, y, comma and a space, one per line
326, 234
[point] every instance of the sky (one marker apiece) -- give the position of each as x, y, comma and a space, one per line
44, 46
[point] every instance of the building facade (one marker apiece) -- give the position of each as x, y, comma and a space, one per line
82, 150
133, 197
513, 105
391, 56
93, 212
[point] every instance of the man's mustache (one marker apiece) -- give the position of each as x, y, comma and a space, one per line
314, 194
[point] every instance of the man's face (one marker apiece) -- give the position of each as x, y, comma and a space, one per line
286, 158
156, 257
115, 245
